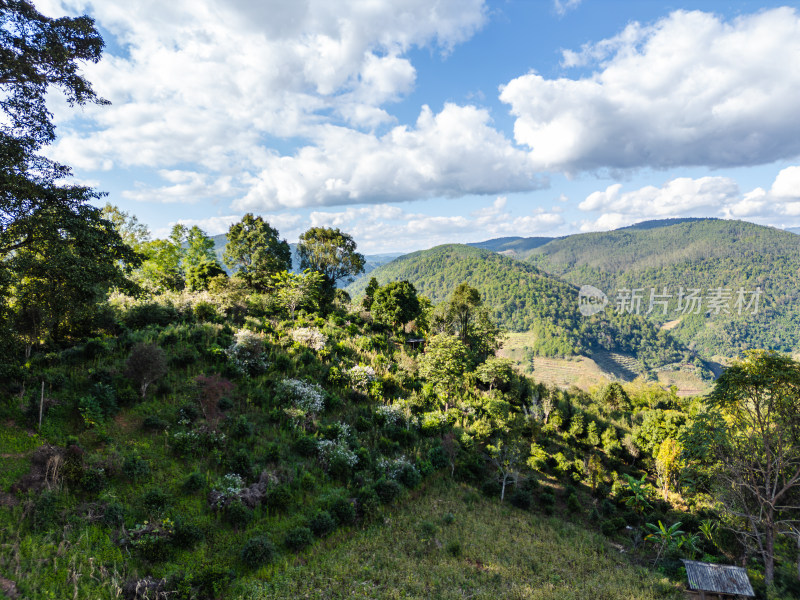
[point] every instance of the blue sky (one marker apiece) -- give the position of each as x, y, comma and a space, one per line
418, 122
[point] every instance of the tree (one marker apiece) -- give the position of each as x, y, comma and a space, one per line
199, 262
295, 290
369, 293
161, 270
395, 304
443, 365
668, 464
495, 372
132, 232
507, 459
333, 254
462, 307
146, 364
256, 252
37, 53
751, 434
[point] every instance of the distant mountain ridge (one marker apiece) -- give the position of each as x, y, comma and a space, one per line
521, 297
705, 254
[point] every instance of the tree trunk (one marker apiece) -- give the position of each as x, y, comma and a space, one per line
503, 490
769, 554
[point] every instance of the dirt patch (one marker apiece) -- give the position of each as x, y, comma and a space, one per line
9, 588
45, 470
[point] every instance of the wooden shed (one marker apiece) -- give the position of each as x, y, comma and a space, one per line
709, 580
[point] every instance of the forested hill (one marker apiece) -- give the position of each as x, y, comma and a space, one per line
703, 254
514, 246
523, 298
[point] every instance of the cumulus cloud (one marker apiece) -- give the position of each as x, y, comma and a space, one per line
452, 153
685, 197
188, 187
690, 89
212, 84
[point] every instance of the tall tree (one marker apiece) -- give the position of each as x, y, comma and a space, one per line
751, 431
37, 53
333, 254
256, 252
395, 304
200, 262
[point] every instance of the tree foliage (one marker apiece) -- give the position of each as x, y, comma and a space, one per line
332, 253
256, 252
395, 304
751, 433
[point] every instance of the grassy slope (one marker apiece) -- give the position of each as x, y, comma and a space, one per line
489, 551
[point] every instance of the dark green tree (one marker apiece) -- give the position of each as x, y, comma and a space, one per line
369, 293
256, 252
332, 253
395, 304
36, 54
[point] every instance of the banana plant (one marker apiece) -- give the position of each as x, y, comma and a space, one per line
665, 537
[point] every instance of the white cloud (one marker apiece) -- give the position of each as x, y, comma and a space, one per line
452, 153
690, 89
187, 187
211, 84
562, 7
685, 197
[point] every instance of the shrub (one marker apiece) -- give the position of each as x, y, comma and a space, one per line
387, 490
246, 354
278, 498
146, 364
490, 488
308, 397
343, 511
573, 504
153, 423
547, 500
610, 526
114, 514
135, 468
237, 514
298, 538
155, 500
521, 499
305, 445
194, 482
409, 476
211, 390
257, 551
311, 337
322, 523
242, 428
186, 534
454, 548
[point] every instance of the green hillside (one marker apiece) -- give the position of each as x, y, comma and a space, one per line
703, 254
521, 297
514, 246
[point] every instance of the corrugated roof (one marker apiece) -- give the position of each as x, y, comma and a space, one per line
720, 579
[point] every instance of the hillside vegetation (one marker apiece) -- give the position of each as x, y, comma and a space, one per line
522, 297
703, 254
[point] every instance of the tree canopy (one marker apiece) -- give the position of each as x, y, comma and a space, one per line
332, 253
256, 252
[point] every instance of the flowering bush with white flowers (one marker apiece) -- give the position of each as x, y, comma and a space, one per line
227, 488
392, 414
335, 454
361, 376
393, 467
308, 397
247, 353
311, 337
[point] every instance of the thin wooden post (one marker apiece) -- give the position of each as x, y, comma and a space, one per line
41, 406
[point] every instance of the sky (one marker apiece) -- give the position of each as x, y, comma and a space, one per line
412, 123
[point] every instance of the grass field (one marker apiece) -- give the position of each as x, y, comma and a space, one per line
452, 543
586, 373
